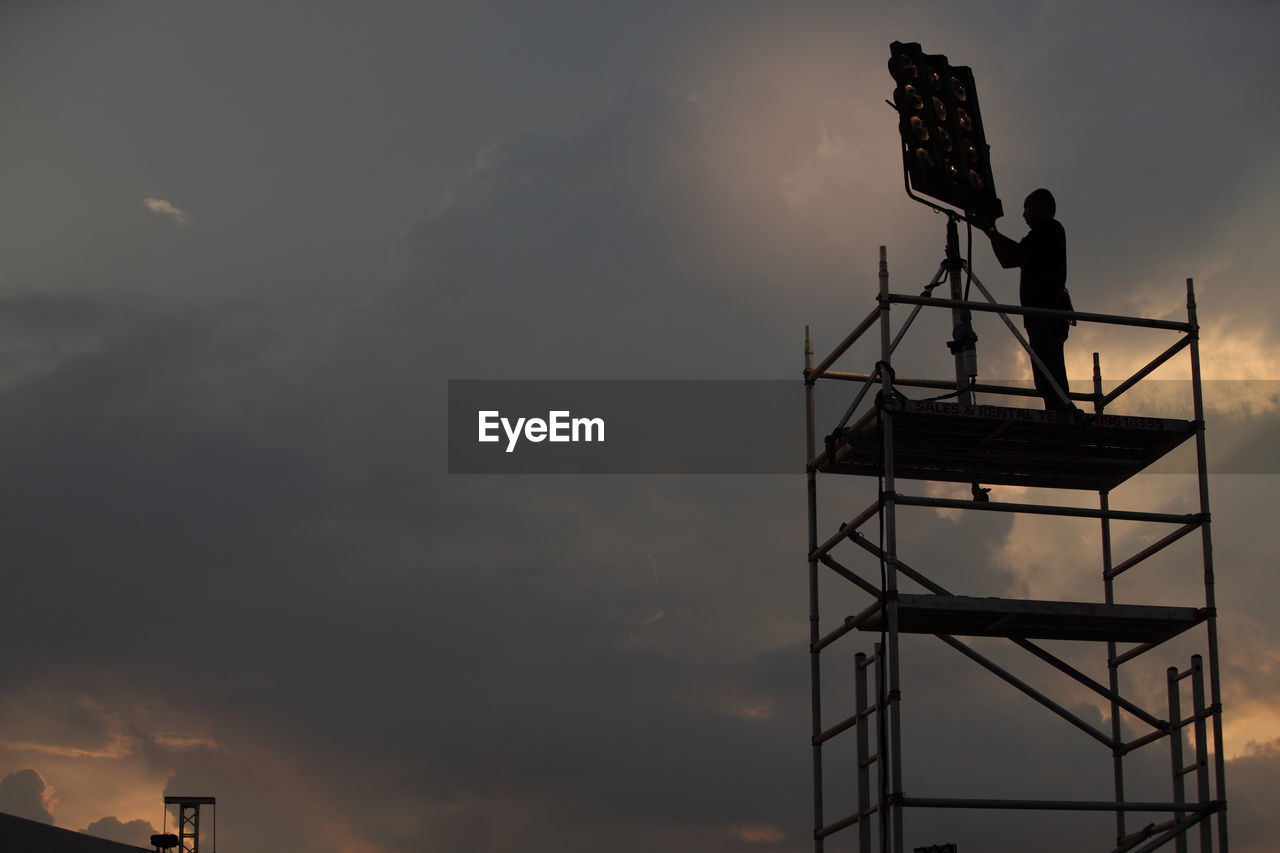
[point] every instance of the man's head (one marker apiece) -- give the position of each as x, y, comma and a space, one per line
1039, 207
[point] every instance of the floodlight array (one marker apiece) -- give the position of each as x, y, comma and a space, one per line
944, 148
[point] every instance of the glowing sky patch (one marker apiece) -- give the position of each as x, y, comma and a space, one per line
166, 208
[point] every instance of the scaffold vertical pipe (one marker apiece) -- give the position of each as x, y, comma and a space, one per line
881, 744
1113, 672
889, 592
1175, 753
815, 671
1097, 385
864, 753
1113, 668
1202, 468
1202, 755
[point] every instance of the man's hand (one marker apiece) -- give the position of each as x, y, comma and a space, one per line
982, 222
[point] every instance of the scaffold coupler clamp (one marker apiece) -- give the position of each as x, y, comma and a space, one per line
964, 345
894, 402
829, 442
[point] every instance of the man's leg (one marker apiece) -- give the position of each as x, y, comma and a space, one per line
1048, 345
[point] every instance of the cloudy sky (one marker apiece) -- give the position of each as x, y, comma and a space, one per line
244, 247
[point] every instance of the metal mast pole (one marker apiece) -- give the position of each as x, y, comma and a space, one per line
964, 343
815, 669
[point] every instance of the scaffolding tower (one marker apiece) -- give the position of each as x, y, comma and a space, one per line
187, 838
956, 441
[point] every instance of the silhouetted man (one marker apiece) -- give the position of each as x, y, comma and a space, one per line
1042, 257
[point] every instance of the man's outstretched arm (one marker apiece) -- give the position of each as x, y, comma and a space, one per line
1008, 251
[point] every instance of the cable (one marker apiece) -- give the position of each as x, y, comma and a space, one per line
948, 395
968, 260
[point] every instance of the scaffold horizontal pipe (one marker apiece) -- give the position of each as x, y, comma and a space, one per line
1119, 660
1151, 550
1139, 742
1045, 509
811, 376
1082, 316
850, 624
1052, 805
832, 828
1195, 718
950, 385
842, 726
834, 635
1136, 651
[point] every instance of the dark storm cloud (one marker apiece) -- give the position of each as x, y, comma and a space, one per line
135, 832
25, 794
141, 448
1254, 775
1132, 134
321, 558
616, 250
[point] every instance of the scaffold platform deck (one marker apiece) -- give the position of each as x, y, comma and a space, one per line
1025, 619
1004, 445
